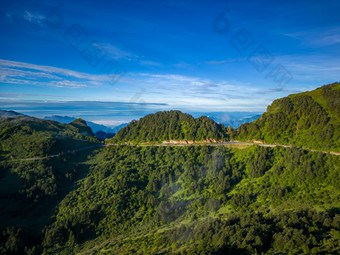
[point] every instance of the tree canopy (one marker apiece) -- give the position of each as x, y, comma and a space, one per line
309, 119
170, 125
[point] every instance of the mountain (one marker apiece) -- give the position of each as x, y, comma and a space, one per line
235, 123
170, 125
94, 126
25, 137
60, 119
201, 200
32, 184
117, 128
127, 199
102, 135
8, 114
233, 119
309, 119
82, 127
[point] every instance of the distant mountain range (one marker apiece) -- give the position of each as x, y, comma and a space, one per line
233, 119
100, 131
94, 126
238, 122
9, 114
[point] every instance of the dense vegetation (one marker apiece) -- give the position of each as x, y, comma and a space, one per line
175, 200
170, 125
29, 193
31, 189
201, 199
309, 119
25, 137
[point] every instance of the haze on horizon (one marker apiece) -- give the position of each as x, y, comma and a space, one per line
116, 61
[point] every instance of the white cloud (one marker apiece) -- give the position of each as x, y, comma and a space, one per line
188, 83
173, 89
313, 68
149, 63
25, 73
319, 37
109, 123
53, 70
219, 62
116, 52
33, 18
199, 93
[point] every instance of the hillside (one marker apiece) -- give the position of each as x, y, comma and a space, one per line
24, 137
128, 199
309, 120
7, 114
201, 200
170, 125
30, 190
172, 200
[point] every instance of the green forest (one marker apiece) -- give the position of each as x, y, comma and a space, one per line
309, 119
63, 192
170, 125
26, 137
181, 200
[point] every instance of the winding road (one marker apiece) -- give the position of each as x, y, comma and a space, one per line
178, 145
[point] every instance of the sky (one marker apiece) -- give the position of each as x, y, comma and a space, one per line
113, 61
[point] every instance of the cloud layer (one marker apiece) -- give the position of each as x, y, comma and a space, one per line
24, 73
177, 91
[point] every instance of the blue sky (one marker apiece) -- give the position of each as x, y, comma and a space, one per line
112, 61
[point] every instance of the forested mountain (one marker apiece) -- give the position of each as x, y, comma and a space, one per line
82, 127
173, 200
102, 135
31, 189
132, 199
201, 200
170, 125
25, 137
29, 194
309, 119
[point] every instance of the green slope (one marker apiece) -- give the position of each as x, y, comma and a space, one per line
201, 200
30, 190
25, 137
175, 200
309, 119
170, 125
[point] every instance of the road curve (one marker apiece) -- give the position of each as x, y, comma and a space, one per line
174, 145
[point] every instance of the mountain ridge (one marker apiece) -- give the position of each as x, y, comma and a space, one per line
309, 119
8, 114
170, 199
94, 126
170, 125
